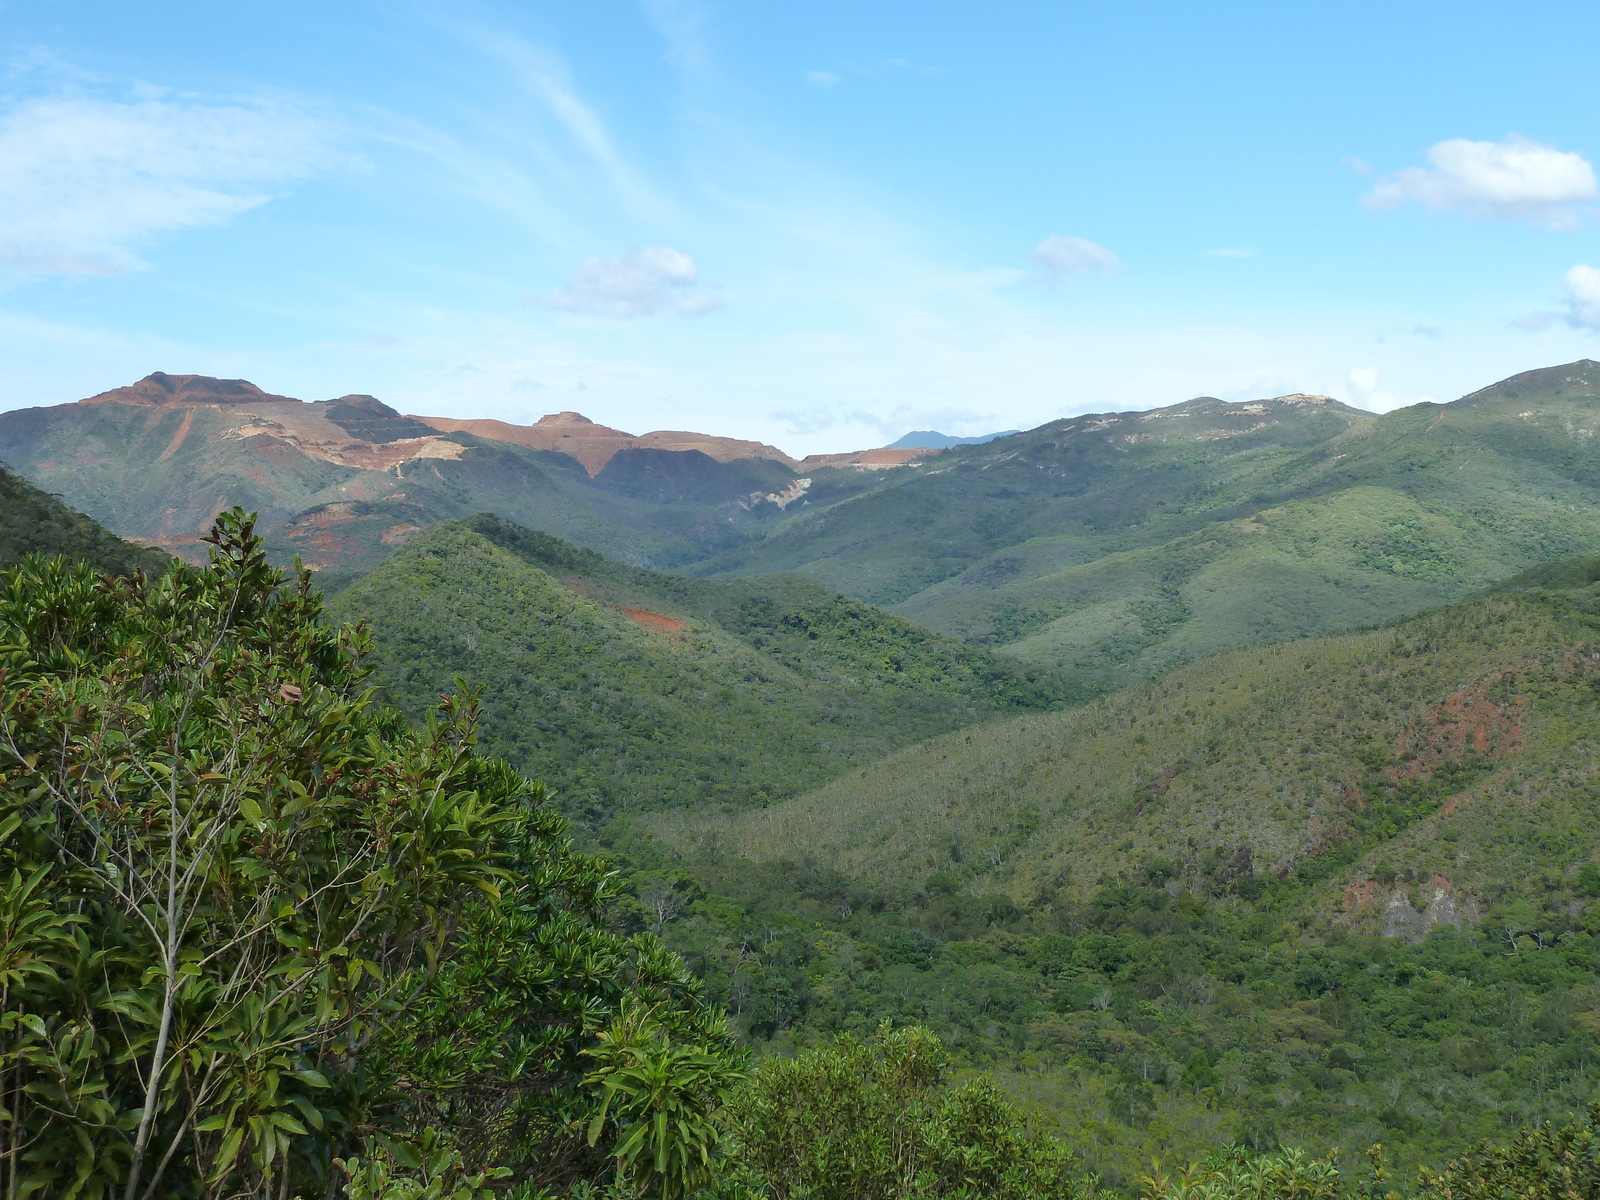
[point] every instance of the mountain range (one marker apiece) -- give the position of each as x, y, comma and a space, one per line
1118, 545
1441, 748
1112, 546
342, 482
1321, 891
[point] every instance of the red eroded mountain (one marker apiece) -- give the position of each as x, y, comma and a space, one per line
343, 481
161, 388
594, 445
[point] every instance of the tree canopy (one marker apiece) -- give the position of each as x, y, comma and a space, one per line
256, 933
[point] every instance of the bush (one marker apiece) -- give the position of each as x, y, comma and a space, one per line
863, 1120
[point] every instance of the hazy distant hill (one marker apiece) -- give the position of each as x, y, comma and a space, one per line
1118, 545
930, 439
34, 522
627, 688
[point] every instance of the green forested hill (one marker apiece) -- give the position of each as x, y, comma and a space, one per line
1327, 893
1112, 546
628, 688
35, 522
1119, 545
1444, 745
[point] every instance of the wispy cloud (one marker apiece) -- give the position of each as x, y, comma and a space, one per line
1231, 252
640, 284
685, 27
1515, 179
545, 76
821, 79
1058, 257
87, 182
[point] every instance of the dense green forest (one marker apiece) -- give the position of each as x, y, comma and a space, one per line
35, 522
1155, 1021
628, 689
1443, 744
1158, 917
1333, 892
262, 936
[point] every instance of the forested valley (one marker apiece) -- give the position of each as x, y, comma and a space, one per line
278, 919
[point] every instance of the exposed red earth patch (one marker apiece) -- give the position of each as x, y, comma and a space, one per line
1359, 894
177, 438
593, 445
1466, 721
396, 534
1369, 891
653, 621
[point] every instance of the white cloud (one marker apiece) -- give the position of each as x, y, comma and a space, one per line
1058, 257
1583, 296
86, 182
1511, 180
821, 79
1364, 382
1582, 299
638, 284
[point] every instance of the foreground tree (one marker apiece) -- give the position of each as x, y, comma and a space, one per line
875, 1120
252, 924
1541, 1162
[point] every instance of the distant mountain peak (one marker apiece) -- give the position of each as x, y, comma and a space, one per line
1214, 405
1582, 375
160, 388
364, 402
932, 439
593, 445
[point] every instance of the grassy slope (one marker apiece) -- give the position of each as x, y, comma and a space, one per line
768, 687
34, 522
1297, 751
1119, 547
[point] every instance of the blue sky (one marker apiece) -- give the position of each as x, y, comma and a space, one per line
818, 224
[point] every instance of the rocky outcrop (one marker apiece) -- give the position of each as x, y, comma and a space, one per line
1407, 909
868, 460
